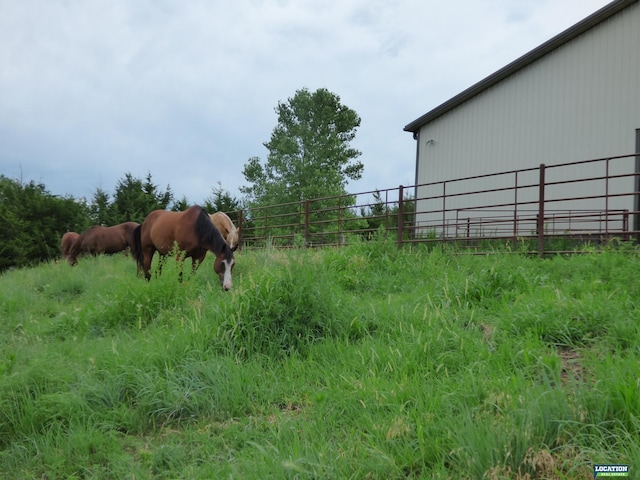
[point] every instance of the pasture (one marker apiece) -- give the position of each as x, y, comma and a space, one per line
362, 363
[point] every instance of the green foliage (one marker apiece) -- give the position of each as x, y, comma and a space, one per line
100, 209
134, 199
309, 151
382, 214
284, 310
180, 205
310, 156
360, 362
32, 222
221, 200
377, 212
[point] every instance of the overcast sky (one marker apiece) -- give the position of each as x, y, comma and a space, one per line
93, 89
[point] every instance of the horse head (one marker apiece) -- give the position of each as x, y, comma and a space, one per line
223, 265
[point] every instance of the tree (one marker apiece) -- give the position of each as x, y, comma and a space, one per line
310, 155
376, 213
101, 211
135, 199
383, 214
32, 222
180, 205
221, 201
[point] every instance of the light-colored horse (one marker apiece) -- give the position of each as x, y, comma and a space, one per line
226, 228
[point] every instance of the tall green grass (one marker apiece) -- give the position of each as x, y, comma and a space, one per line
362, 362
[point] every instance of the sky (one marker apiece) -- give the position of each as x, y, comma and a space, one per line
186, 90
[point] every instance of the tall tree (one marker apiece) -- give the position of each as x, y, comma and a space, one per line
134, 199
101, 211
376, 212
221, 200
32, 222
310, 154
180, 205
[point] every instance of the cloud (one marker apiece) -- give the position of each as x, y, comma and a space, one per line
187, 90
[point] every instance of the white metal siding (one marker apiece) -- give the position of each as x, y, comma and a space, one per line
580, 101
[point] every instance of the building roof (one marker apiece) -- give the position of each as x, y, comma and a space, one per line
528, 58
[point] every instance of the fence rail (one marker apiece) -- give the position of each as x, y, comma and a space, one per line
591, 200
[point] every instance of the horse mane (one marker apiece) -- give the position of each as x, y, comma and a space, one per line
210, 235
232, 237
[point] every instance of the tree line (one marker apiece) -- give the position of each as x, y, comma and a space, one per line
309, 156
33, 220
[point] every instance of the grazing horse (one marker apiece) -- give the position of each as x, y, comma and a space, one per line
99, 239
192, 231
226, 228
66, 243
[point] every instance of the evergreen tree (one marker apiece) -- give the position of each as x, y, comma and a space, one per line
181, 205
32, 222
375, 214
134, 199
101, 211
221, 201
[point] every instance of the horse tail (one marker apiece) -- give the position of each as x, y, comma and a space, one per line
75, 249
136, 247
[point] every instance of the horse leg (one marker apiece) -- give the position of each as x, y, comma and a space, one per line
148, 257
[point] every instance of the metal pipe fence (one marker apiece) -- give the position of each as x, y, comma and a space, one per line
543, 209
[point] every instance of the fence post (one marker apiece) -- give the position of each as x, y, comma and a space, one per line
240, 218
606, 203
515, 212
400, 214
444, 209
540, 219
625, 224
266, 226
306, 223
339, 239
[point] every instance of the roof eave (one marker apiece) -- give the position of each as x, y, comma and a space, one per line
528, 58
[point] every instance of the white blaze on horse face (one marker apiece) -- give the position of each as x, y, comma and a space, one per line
223, 268
226, 276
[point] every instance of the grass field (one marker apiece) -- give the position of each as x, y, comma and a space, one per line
362, 363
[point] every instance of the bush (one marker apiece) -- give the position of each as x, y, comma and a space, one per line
283, 310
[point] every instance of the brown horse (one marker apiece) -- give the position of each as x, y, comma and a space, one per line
226, 228
66, 243
99, 239
192, 231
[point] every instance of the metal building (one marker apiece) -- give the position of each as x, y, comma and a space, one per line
575, 97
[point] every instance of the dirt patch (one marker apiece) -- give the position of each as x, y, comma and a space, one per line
572, 369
